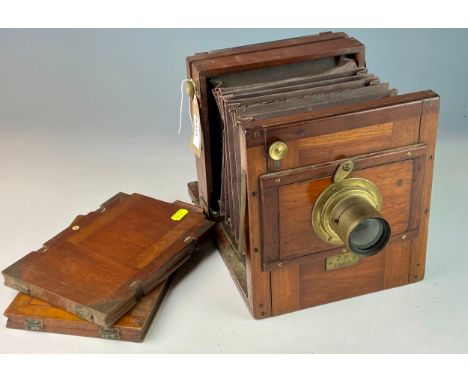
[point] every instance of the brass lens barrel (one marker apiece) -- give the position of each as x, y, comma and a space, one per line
360, 226
347, 213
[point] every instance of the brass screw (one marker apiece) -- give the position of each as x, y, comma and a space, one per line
75, 227
409, 153
344, 250
404, 236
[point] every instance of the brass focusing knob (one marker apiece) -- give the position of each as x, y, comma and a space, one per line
278, 150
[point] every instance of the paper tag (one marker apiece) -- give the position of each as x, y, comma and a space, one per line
179, 215
197, 136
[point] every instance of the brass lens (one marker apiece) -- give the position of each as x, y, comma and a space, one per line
347, 213
360, 226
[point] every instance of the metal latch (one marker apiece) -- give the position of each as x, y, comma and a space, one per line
111, 333
34, 325
84, 313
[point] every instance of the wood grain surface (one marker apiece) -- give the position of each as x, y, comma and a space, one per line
105, 261
391, 141
133, 326
202, 67
296, 235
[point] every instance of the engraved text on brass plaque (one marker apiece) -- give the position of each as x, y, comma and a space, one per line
340, 261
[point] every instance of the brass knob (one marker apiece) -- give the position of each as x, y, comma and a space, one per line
278, 150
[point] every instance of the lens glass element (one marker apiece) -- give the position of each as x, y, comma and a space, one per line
369, 236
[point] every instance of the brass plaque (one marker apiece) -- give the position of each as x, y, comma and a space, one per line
341, 261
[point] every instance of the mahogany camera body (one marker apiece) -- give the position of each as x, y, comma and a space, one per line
283, 163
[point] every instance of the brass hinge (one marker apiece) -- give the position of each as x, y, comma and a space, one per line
34, 325
111, 333
85, 314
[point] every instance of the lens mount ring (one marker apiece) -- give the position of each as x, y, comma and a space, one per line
335, 194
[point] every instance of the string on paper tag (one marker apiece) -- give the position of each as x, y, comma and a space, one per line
181, 109
197, 136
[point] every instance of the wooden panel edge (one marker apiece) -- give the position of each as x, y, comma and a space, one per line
331, 120
328, 168
270, 232
427, 134
253, 162
299, 40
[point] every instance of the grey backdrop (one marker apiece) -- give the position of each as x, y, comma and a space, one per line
87, 113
